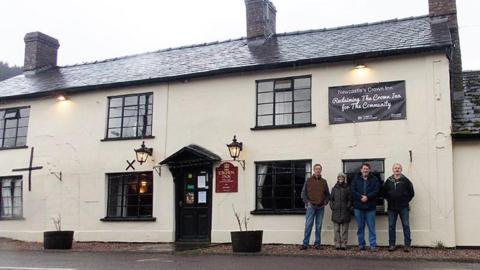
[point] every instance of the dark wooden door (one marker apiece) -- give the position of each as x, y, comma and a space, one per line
193, 204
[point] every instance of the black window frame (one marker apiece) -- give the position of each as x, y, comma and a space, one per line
294, 196
17, 116
274, 103
381, 207
16, 179
125, 180
143, 118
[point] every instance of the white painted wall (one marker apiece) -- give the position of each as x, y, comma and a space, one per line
208, 112
466, 164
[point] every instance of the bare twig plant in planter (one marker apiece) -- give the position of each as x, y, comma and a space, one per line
57, 239
245, 240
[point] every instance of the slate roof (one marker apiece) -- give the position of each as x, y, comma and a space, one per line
466, 115
392, 37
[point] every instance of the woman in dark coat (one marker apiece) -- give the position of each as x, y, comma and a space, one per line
341, 204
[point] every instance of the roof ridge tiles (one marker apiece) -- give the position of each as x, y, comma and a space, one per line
243, 38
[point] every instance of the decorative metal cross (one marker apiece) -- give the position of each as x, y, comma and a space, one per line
29, 169
130, 165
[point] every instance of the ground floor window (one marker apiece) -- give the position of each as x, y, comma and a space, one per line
11, 197
377, 167
279, 184
130, 195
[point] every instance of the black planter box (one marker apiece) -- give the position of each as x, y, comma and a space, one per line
247, 241
57, 239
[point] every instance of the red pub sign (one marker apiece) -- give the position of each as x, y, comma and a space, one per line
226, 178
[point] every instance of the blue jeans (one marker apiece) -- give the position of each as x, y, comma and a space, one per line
313, 213
368, 217
392, 225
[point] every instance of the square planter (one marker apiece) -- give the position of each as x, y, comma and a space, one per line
247, 241
57, 239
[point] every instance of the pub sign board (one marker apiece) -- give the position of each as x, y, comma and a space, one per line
367, 102
226, 176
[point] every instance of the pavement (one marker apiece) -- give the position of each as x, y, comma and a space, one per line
462, 255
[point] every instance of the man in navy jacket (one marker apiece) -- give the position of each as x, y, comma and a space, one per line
365, 189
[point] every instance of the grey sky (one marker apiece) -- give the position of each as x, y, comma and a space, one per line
90, 30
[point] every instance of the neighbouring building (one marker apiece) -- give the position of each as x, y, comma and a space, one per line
382, 92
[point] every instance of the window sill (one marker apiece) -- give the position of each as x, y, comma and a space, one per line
283, 127
279, 212
126, 139
12, 218
11, 148
127, 219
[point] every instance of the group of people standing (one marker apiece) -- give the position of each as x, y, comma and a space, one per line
361, 196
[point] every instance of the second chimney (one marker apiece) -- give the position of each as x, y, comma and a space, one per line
260, 18
40, 52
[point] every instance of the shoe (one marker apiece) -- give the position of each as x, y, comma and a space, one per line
318, 247
303, 247
373, 249
361, 248
406, 249
391, 248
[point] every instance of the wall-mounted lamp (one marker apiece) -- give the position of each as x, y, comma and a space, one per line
234, 148
360, 66
61, 97
143, 153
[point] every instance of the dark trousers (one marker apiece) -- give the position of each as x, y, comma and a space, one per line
392, 224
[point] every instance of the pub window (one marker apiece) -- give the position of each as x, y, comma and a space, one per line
10, 197
130, 116
283, 102
279, 185
14, 127
130, 195
377, 167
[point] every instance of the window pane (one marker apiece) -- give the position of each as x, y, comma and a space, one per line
130, 111
283, 203
283, 119
113, 133
149, 131
21, 141
283, 96
283, 107
25, 112
284, 178
129, 132
265, 97
283, 191
130, 121
302, 118
1, 133
22, 131
265, 86
266, 120
22, 122
116, 102
11, 114
302, 106
131, 100
302, 83
11, 123
115, 112
265, 109
114, 122
284, 84
10, 133
303, 94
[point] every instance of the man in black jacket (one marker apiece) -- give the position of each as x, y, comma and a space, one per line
398, 191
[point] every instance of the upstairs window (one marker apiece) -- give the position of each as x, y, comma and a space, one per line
284, 102
14, 127
130, 116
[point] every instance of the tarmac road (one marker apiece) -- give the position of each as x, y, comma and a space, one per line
59, 260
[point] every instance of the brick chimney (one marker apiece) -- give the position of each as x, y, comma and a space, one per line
40, 52
447, 10
260, 19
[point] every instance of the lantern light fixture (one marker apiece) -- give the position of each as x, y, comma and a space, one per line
61, 97
360, 66
234, 148
143, 153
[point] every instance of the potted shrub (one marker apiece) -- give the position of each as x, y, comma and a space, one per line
57, 239
245, 240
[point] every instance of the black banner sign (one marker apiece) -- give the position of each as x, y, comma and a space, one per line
367, 102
